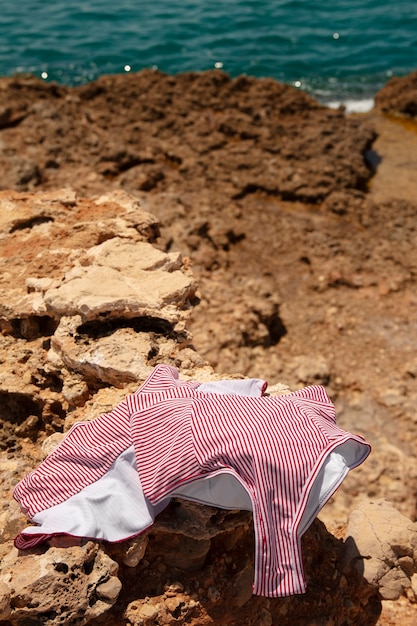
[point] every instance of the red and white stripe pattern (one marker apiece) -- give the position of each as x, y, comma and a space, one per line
90, 448
275, 446
85, 454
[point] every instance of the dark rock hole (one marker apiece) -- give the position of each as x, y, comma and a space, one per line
88, 567
373, 159
33, 327
276, 328
16, 407
178, 610
104, 328
61, 567
30, 223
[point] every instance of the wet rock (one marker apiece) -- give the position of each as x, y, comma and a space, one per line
399, 96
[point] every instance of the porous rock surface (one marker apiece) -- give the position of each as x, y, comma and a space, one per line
59, 586
230, 228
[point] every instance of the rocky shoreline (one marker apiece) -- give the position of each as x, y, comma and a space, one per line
229, 228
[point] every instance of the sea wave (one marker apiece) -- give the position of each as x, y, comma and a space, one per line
353, 106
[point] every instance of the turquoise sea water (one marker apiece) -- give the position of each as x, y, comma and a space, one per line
343, 50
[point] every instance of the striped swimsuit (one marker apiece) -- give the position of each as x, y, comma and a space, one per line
280, 456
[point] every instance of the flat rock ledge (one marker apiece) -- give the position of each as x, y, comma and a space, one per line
89, 305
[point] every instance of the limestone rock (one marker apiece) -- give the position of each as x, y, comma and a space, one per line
311, 371
135, 551
129, 256
103, 401
11, 519
169, 608
382, 545
75, 390
69, 585
34, 230
5, 608
117, 358
111, 308
98, 290
115, 352
144, 223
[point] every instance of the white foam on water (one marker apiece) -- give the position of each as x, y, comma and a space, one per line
353, 106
